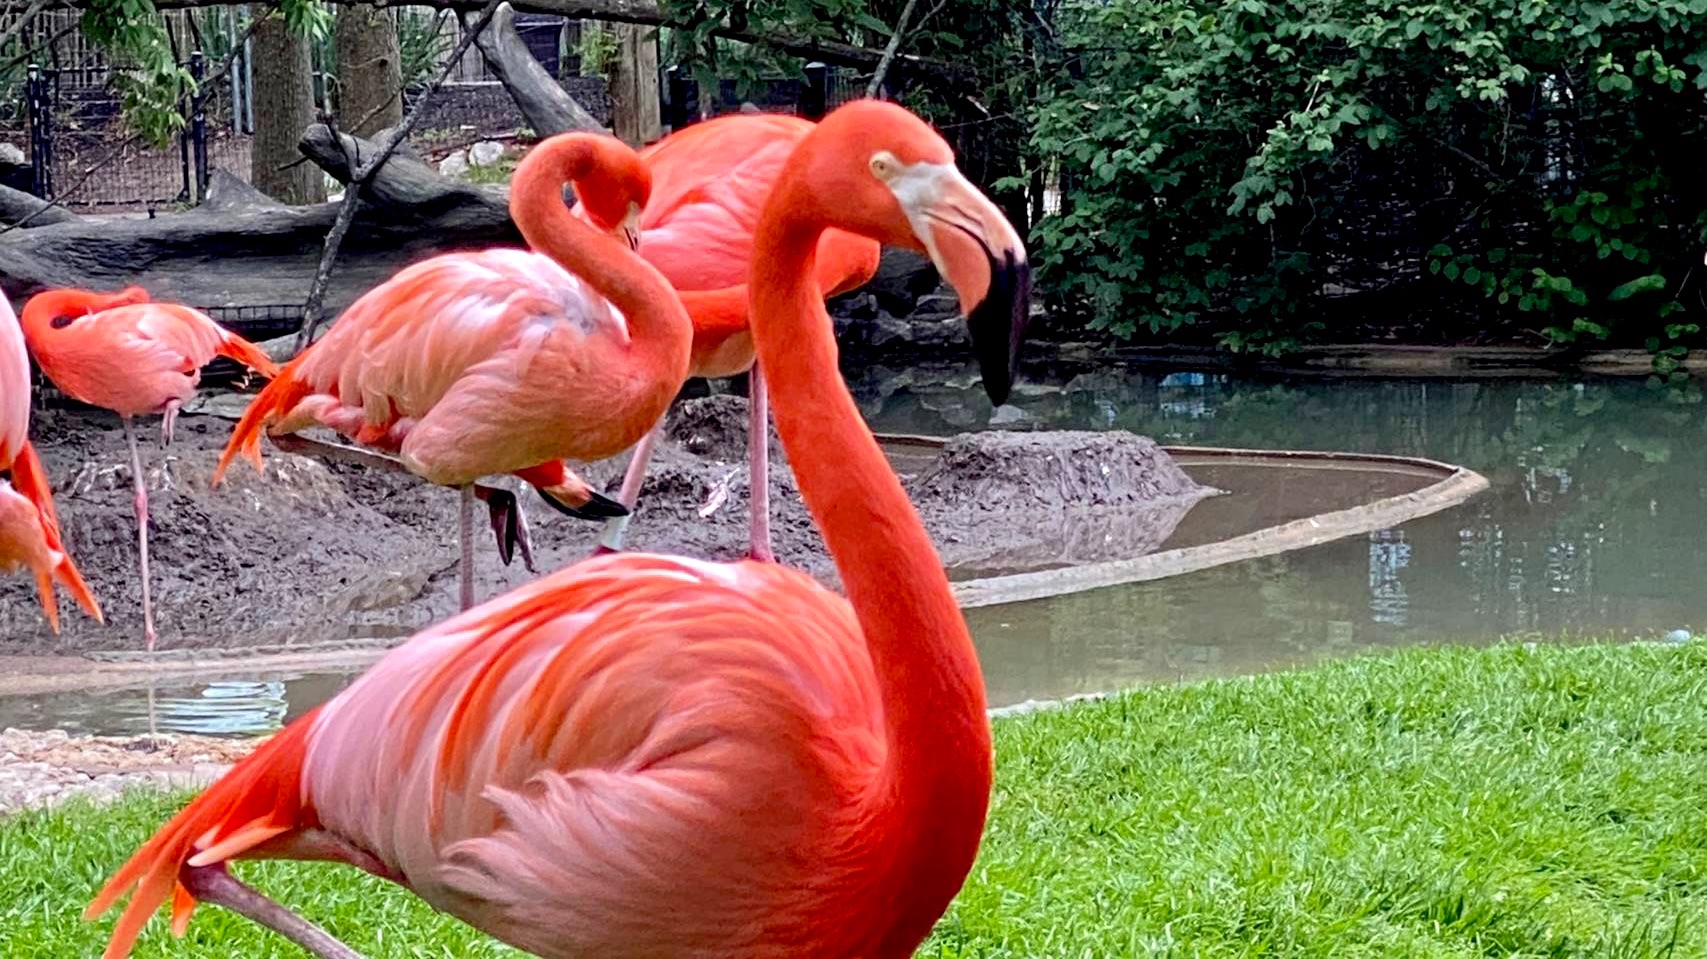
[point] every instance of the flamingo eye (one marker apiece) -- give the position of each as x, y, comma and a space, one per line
884, 166
61, 322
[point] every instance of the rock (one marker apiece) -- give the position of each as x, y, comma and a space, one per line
10, 155
484, 153
454, 165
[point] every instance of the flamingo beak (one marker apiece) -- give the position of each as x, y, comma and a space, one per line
630, 227
980, 254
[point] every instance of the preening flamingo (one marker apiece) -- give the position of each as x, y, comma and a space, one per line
127, 354
29, 527
709, 183
470, 365
642, 755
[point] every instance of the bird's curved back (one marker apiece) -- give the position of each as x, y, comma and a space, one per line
14, 386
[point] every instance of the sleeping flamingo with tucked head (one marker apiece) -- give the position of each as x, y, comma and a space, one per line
122, 352
709, 184
29, 527
470, 365
645, 755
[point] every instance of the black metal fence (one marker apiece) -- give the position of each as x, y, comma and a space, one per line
82, 155
822, 89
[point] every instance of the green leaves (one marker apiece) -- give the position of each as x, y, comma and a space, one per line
1304, 154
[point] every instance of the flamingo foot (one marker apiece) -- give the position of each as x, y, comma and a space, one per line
215, 884
597, 506
509, 525
168, 421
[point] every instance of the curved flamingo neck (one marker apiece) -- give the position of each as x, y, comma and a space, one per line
656, 320
939, 762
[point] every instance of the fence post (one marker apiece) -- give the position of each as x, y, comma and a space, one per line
198, 123
41, 133
815, 94
678, 87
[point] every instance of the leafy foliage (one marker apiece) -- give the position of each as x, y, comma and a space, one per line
153, 84
1258, 166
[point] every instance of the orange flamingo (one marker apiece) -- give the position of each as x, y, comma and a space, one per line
643, 755
709, 183
29, 527
503, 361
127, 354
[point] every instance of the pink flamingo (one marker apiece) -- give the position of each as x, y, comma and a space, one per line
653, 756
124, 353
503, 361
29, 527
709, 184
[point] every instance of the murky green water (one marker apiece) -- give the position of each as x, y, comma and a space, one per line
1595, 526
1596, 523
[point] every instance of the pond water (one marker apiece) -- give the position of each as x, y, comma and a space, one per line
1594, 527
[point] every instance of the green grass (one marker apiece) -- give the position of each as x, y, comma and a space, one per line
1546, 802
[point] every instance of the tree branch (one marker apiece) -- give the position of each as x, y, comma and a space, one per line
543, 102
313, 309
890, 49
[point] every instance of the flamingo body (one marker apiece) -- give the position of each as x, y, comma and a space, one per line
133, 358
474, 364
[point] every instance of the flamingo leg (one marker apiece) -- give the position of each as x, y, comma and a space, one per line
758, 469
141, 533
465, 534
215, 884
611, 540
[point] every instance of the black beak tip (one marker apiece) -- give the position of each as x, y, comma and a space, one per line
998, 325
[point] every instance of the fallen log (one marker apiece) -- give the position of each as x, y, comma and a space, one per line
544, 104
243, 250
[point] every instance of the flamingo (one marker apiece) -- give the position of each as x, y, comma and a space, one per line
709, 182
503, 361
644, 755
125, 353
29, 526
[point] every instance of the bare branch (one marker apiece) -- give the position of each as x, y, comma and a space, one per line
313, 310
889, 50
18, 25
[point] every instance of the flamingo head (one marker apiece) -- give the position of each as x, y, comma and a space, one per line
60, 308
884, 173
613, 187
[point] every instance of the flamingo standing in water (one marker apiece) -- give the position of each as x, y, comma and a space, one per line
645, 755
135, 357
709, 183
503, 361
29, 527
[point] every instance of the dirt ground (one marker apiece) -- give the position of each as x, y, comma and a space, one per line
311, 551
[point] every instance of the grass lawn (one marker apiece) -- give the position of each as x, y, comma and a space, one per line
1447, 803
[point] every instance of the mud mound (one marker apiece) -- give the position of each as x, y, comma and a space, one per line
714, 427
309, 551
1019, 471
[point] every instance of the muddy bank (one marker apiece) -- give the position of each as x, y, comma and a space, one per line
310, 551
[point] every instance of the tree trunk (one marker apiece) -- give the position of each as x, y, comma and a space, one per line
370, 78
636, 116
284, 106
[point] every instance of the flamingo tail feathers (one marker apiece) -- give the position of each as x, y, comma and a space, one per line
30, 480
258, 801
279, 398
237, 348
